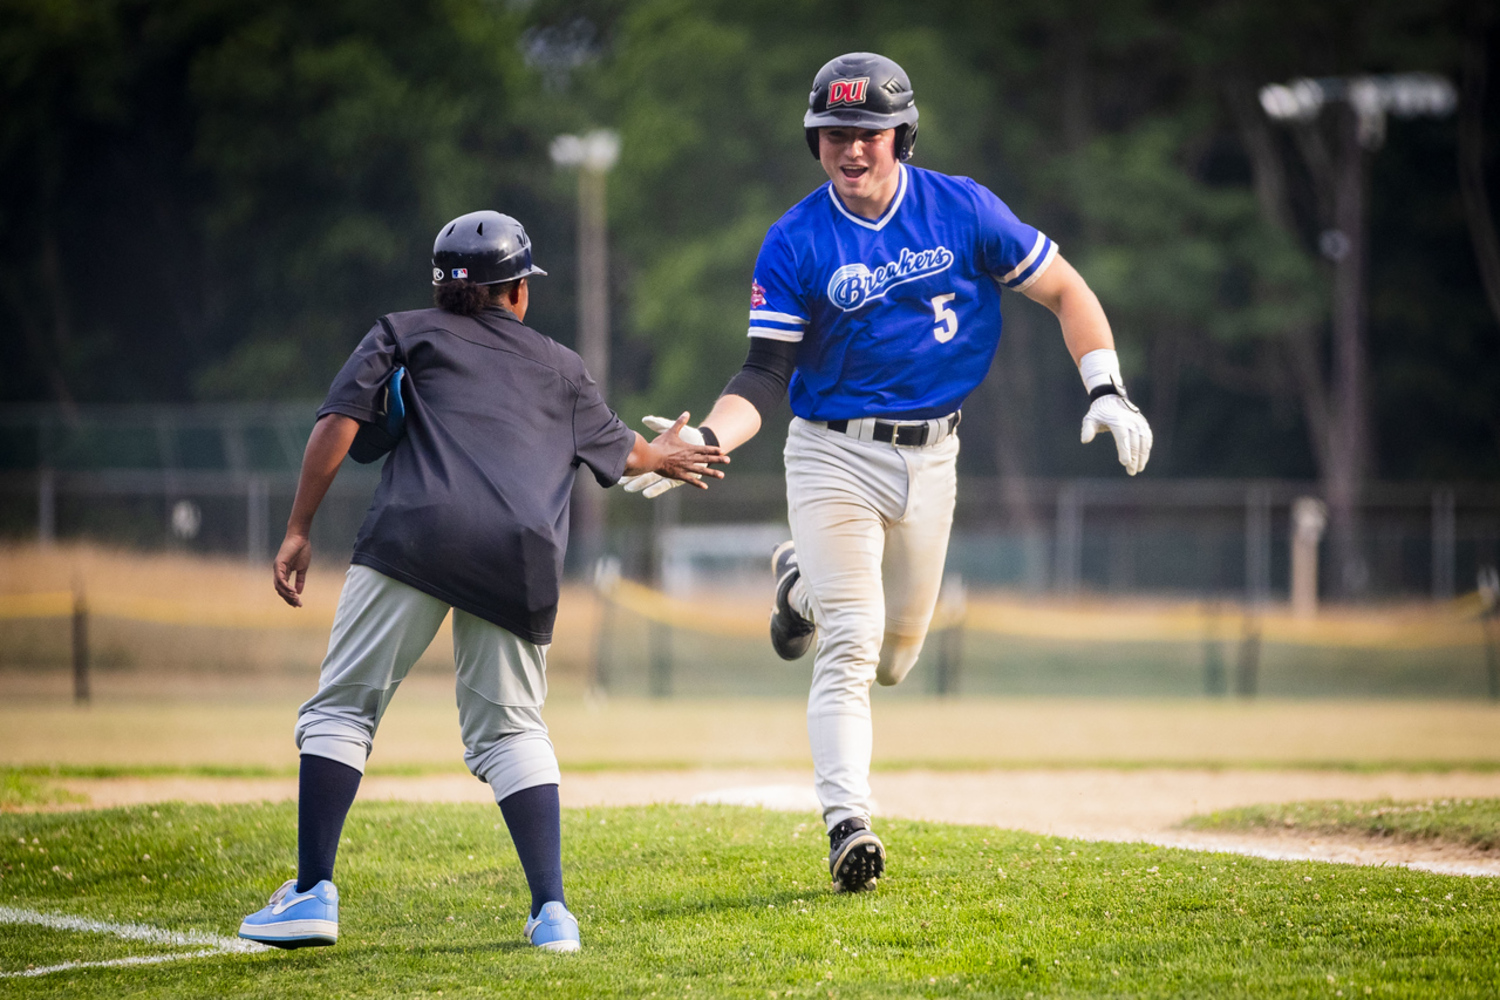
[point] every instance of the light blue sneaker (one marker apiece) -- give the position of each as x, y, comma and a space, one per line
295, 919
553, 929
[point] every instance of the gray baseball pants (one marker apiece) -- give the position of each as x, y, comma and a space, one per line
380, 629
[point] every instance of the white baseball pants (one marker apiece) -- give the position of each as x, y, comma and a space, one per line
380, 629
871, 523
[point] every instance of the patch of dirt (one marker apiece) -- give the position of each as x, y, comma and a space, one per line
1147, 805
1092, 804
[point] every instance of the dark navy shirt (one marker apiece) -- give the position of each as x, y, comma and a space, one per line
472, 506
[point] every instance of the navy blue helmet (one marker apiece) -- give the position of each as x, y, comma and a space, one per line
485, 247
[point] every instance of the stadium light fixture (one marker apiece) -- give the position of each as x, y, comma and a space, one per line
1342, 169
596, 151
1372, 98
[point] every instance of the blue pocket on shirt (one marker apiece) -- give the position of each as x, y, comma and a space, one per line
377, 437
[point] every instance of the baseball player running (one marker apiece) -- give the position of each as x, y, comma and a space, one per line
876, 303
471, 515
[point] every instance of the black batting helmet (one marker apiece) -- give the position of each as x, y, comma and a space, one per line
862, 90
486, 248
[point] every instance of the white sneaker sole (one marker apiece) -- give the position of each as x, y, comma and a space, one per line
560, 946
292, 930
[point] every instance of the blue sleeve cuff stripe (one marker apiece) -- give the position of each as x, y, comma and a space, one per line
1035, 271
1038, 251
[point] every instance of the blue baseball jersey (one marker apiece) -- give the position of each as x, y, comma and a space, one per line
897, 316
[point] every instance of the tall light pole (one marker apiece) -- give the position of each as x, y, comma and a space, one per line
592, 155
1360, 106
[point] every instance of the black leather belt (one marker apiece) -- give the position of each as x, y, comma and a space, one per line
906, 434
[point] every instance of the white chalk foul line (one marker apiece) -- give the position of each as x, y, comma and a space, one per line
133, 960
207, 944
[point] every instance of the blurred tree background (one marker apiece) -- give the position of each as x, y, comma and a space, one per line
213, 199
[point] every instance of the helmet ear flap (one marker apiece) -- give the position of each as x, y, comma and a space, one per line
812, 142
906, 141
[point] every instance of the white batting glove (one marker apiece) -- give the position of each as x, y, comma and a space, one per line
1123, 419
1114, 412
650, 484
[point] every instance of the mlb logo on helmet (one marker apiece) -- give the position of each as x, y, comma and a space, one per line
847, 91
460, 272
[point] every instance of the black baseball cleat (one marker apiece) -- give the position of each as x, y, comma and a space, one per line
791, 634
856, 857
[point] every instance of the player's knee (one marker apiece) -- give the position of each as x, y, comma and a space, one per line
898, 654
514, 760
336, 740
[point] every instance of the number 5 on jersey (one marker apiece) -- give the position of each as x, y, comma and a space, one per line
946, 318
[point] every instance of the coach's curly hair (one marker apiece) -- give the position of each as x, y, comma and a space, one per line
466, 298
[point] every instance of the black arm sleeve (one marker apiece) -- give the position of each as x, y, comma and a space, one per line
766, 374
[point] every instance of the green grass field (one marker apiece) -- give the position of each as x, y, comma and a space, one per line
20, 790
727, 902
1463, 822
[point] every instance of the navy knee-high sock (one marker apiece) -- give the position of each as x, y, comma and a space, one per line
324, 794
533, 816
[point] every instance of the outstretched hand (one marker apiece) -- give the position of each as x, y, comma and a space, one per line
677, 456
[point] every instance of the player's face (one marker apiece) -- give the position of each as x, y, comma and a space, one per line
861, 163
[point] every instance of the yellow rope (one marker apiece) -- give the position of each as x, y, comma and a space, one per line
1447, 626
159, 611
653, 605
56, 604
156, 611
1437, 629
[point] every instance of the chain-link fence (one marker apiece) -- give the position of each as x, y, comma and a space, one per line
221, 480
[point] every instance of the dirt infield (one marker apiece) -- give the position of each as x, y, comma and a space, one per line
1091, 804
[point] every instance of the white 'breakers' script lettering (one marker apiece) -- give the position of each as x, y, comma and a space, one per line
853, 285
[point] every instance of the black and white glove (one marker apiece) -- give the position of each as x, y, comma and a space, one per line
1112, 410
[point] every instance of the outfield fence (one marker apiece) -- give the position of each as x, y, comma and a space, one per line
1226, 538
992, 643
220, 479
714, 643
1068, 586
